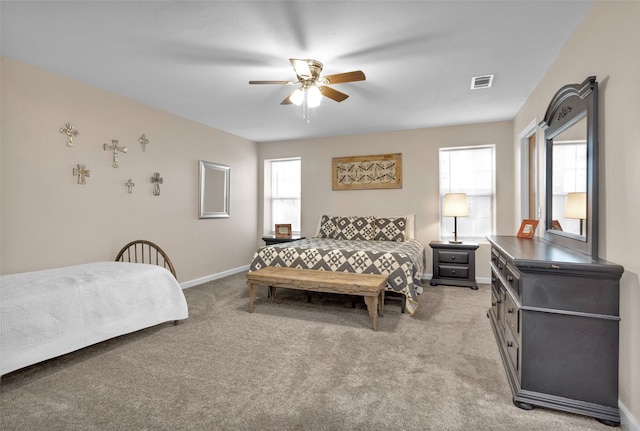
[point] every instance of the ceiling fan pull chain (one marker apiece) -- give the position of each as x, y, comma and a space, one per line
305, 107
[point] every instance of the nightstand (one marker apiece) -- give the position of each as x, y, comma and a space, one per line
454, 264
271, 239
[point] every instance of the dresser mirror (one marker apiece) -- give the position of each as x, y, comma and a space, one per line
571, 190
214, 186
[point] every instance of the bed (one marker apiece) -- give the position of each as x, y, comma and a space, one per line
361, 244
48, 313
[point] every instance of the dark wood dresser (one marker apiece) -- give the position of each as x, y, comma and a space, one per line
555, 316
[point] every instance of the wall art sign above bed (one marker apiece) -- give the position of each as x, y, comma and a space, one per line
383, 171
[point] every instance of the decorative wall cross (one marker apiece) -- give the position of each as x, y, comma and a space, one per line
115, 148
156, 180
81, 172
70, 132
129, 185
143, 141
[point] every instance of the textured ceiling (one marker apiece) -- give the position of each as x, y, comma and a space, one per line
194, 59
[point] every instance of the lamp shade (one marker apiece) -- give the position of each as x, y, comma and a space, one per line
455, 205
576, 206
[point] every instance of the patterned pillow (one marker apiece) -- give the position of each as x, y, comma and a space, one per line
327, 227
355, 227
391, 229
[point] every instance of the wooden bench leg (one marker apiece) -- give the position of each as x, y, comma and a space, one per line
381, 304
372, 307
253, 292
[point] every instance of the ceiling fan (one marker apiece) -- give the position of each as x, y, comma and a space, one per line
312, 85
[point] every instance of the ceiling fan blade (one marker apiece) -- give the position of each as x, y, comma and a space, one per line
356, 75
272, 82
333, 94
287, 100
301, 67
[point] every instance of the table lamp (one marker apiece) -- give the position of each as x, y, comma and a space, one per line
455, 205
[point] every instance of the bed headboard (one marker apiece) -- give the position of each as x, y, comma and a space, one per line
143, 251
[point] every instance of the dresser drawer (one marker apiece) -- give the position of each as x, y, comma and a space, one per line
512, 315
502, 264
513, 350
453, 271
494, 301
453, 257
513, 279
494, 256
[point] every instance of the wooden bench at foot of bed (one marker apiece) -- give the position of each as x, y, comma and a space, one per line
370, 286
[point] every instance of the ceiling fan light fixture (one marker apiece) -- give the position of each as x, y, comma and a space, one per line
297, 97
314, 96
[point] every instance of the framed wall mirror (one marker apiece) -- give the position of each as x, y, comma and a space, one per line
571, 158
214, 188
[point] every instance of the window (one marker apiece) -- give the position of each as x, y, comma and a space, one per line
468, 170
282, 193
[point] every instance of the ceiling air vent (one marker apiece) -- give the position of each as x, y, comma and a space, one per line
483, 81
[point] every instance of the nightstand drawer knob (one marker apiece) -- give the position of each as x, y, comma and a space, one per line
453, 258
453, 272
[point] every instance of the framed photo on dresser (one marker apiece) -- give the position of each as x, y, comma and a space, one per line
527, 228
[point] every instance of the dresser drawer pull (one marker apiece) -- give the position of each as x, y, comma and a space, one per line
510, 310
509, 278
453, 258
453, 271
509, 343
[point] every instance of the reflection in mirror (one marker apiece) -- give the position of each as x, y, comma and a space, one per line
569, 204
214, 184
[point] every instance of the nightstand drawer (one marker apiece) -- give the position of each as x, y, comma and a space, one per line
453, 256
453, 271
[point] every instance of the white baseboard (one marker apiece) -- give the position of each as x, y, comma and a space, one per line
627, 420
212, 277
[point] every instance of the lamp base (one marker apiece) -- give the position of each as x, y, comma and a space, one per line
455, 242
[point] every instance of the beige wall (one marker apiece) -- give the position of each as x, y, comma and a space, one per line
607, 44
47, 220
420, 188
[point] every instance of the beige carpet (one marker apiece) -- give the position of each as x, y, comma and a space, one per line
291, 365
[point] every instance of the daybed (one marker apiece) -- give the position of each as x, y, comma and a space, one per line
361, 244
48, 313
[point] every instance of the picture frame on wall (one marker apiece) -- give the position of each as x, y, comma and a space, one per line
382, 171
527, 228
283, 230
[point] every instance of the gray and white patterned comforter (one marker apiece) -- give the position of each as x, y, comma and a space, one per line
403, 262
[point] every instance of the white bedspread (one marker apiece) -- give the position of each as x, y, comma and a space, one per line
44, 314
